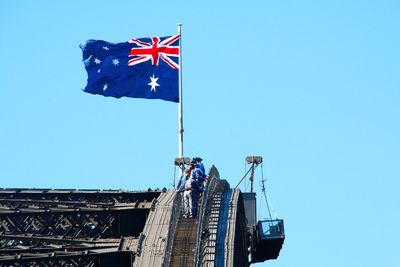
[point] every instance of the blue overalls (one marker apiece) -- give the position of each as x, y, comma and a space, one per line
196, 190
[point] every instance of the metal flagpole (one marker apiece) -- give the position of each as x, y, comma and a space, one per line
180, 106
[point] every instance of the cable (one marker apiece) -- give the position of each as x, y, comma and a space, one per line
267, 199
274, 211
242, 178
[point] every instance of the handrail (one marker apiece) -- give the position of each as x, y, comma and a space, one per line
176, 206
205, 205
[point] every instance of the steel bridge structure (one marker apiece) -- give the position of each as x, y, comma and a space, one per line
68, 227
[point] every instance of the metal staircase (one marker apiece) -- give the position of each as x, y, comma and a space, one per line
183, 251
210, 243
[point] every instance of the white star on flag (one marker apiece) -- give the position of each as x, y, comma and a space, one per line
106, 48
97, 61
105, 87
115, 62
153, 83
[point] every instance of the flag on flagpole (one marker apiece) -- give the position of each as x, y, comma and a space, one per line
140, 68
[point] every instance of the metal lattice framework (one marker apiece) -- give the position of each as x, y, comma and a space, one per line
41, 227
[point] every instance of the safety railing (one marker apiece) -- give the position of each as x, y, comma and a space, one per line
271, 229
203, 213
175, 214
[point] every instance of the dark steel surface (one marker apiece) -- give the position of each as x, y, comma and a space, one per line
183, 252
43, 227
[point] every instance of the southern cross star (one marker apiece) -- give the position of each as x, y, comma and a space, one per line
105, 87
115, 62
97, 61
153, 83
106, 48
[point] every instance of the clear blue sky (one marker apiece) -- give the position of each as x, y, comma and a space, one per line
313, 86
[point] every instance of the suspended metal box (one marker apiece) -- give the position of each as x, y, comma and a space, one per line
270, 236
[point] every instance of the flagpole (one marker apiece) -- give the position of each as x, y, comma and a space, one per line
180, 106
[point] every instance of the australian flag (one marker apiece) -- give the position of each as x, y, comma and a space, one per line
139, 68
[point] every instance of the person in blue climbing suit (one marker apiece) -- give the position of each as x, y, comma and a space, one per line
200, 166
199, 162
196, 186
186, 190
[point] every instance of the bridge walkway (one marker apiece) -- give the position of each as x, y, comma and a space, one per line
183, 252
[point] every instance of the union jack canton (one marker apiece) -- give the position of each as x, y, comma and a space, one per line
139, 68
